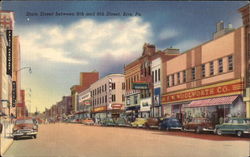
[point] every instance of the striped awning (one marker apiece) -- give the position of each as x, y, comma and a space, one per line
213, 102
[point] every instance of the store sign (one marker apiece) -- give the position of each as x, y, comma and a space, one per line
139, 85
116, 106
13, 93
9, 53
100, 109
221, 89
87, 102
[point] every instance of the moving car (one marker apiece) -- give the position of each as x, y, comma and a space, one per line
152, 123
237, 126
170, 124
199, 125
108, 122
139, 122
122, 122
88, 121
24, 127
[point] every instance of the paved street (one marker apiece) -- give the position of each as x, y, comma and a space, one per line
77, 140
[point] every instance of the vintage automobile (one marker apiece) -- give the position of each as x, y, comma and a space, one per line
107, 122
24, 127
199, 125
170, 124
122, 122
139, 122
237, 126
88, 121
152, 123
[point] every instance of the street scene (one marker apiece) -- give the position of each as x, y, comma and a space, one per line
124, 79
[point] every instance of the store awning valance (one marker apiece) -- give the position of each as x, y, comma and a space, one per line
213, 102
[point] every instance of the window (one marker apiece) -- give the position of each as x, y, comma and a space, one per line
106, 99
105, 87
123, 98
155, 75
159, 75
113, 85
173, 82
149, 70
184, 76
211, 66
230, 63
168, 83
193, 73
203, 70
113, 98
178, 78
123, 85
135, 99
220, 64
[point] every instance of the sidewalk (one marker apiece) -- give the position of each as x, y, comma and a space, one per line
6, 137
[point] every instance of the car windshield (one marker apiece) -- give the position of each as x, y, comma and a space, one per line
24, 121
175, 121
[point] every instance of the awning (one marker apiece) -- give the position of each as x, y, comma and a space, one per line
212, 102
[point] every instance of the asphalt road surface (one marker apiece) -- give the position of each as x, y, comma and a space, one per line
77, 140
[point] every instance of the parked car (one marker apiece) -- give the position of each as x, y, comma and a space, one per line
108, 122
139, 122
88, 121
122, 122
170, 124
24, 127
199, 125
237, 126
152, 123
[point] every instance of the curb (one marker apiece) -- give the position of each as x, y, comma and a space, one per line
6, 146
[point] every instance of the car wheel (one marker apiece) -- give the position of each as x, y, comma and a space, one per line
167, 128
14, 138
198, 130
239, 133
183, 129
219, 132
159, 128
34, 136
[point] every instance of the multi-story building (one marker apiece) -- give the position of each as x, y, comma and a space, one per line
209, 81
86, 79
158, 71
21, 109
107, 96
85, 103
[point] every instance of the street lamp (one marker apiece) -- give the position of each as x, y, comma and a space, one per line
30, 70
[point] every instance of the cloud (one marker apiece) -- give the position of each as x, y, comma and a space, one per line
187, 44
83, 40
168, 33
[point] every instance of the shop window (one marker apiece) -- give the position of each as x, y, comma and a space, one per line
220, 64
203, 70
211, 66
193, 73
135, 99
184, 76
178, 78
230, 63
159, 74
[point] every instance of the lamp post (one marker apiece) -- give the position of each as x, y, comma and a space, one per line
30, 71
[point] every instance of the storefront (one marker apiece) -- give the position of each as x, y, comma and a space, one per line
217, 101
145, 106
115, 110
157, 110
99, 113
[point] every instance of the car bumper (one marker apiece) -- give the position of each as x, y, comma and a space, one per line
24, 134
176, 128
246, 132
205, 129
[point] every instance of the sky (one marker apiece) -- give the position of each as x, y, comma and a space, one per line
58, 47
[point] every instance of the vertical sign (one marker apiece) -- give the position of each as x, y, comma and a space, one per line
13, 93
9, 53
248, 61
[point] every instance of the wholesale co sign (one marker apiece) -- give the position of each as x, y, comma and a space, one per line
221, 89
140, 85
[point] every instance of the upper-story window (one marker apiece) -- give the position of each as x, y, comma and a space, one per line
193, 73
178, 78
113, 85
230, 63
153, 77
220, 65
211, 67
173, 80
203, 70
184, 76
168, 83
159, 74
123, 85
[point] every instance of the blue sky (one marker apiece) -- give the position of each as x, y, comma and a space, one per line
58, 48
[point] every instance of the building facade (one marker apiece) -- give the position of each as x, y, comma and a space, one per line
107, 97
85, 103
209, 82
